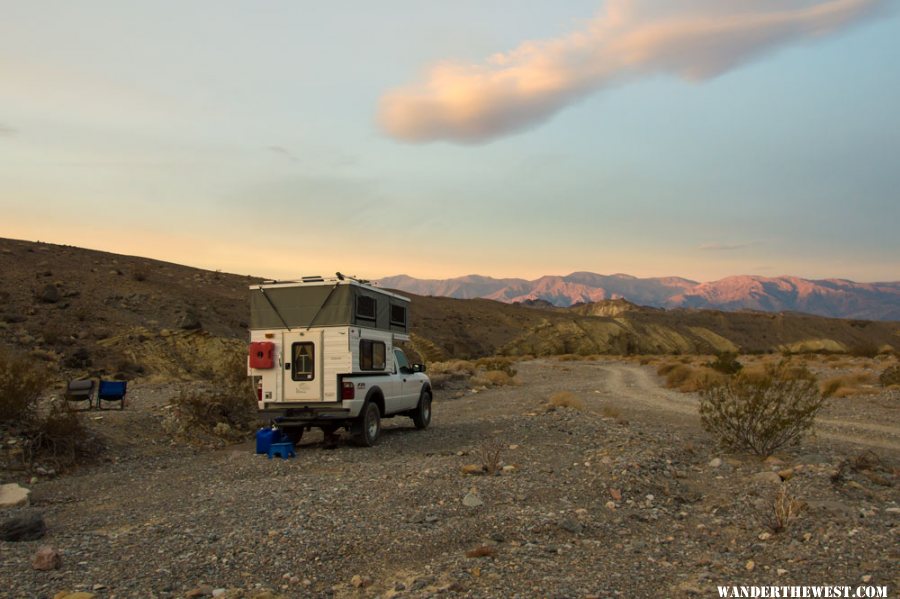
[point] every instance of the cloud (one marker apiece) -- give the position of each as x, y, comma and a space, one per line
692, 39
282, 151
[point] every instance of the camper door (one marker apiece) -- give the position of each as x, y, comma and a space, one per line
303, 371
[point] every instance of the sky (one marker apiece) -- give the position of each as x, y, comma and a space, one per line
509, 138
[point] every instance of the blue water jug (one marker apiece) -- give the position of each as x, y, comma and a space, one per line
265, 437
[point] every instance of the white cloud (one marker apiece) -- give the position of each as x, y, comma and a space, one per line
693, 39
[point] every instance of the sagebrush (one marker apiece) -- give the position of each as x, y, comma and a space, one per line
21, 384
760, 414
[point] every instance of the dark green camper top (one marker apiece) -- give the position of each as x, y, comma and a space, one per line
327, 303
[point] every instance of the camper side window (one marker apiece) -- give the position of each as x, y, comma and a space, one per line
371, 354
365, 307
398, 315
303, 361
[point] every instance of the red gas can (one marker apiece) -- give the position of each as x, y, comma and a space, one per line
262, 354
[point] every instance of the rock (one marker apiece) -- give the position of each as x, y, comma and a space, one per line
765, 536
204, 590
23, 528
78, 595
509, 468
571, 525
218, 592
472, 469
750, 565
360, 581
222, 429
12, 495
189, 321
610, 505
786, 474
472, 499
715, 462
46, 558
767, 477
781, 571
49, 294
615, 494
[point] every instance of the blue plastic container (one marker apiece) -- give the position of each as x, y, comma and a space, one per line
265, 437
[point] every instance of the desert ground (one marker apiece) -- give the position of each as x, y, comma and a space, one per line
623, 495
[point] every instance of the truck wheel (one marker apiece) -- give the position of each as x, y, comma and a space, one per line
369, 426
421, 416
293, 434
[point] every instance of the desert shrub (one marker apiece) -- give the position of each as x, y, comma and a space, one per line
785, 509
569, 358
678, 375
140, 273
863, 349
226, 408
453, 367
493, 378
666, 368
565, 399
60, 437
497, 363
726, 363
890, 376
760, 414
21, 384
846, 385
489, 454
609, 411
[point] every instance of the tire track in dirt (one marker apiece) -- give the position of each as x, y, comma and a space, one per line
633, 387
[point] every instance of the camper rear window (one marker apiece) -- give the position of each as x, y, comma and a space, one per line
371, 354
398, 315
365, 307
303, 361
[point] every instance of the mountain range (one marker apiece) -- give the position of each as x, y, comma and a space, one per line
836, 298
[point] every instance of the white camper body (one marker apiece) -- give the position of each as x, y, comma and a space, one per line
323, 350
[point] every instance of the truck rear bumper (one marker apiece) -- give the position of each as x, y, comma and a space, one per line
311, 414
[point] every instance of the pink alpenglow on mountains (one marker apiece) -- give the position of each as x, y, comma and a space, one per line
837, 298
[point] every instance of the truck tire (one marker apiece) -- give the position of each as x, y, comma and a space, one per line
421, 416
293, 434
368, 427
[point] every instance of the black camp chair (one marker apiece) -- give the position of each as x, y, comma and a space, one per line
111, 391
81, 391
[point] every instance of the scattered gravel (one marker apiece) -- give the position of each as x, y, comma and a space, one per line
589, 504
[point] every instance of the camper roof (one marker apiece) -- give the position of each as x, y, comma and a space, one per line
322, 281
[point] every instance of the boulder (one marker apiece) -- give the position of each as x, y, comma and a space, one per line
23, 528
12, 495
49, 294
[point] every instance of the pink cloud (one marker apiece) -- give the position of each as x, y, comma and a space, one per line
692, 39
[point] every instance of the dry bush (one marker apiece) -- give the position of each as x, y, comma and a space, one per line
760, 414
687, 379
60, 437
140, 273
890, 376
863, 349
226, 408
493, 378
569, 358
454, 367
847, 385
21, 384
565, 399
482, 551
726, 363
610, 412
666, 368
500, 363
784, 511
489, 454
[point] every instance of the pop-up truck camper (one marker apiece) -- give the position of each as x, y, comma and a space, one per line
322, 354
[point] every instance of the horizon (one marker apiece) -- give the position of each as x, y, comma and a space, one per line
296, 276
701, 139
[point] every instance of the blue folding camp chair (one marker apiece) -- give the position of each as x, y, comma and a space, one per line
111, 391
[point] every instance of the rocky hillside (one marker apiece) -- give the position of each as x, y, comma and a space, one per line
90, 311
835, 298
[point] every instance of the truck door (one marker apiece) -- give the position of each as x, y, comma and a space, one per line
411, 384
303, 366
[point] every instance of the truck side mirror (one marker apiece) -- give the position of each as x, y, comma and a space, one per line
418, 367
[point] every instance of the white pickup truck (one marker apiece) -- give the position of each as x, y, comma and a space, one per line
322, 355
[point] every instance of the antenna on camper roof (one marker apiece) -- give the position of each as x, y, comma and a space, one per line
342, 276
